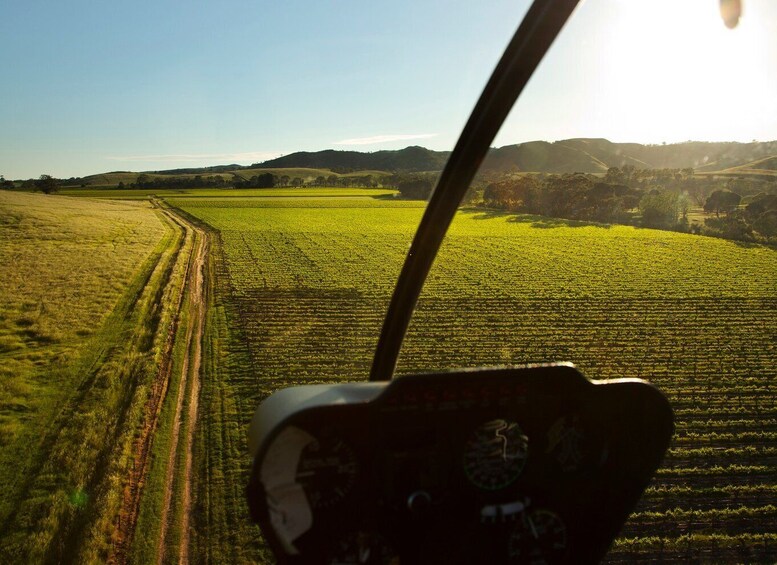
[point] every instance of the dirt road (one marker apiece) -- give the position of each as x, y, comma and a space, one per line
183, 371
189, 388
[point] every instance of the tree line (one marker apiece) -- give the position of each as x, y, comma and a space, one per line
651, 198
44, 183
262, 180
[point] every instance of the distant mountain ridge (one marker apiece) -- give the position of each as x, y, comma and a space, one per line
413, 158
579, 155
584, 155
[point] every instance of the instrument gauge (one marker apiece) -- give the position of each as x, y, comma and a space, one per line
495, 454
327, 471
572, 446
364, 547
539, 538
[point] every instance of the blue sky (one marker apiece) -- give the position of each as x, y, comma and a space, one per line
94, 86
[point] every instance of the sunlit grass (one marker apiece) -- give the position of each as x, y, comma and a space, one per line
72, 308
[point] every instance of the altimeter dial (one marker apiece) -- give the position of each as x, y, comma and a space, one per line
495, 454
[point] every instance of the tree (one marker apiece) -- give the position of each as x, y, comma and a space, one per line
607, 203
697, 190
614, 176
660, 210
684, 205
564, 196
731, 226
722, 201
519, 194
764, 203
766, 224
415, 188
47, 184
265, 180
762, 213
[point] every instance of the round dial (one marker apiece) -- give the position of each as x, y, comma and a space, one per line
364, 547
327, 471
495, 454
539, 538
573, 446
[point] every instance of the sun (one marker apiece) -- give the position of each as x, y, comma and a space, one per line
681, 74
653, 71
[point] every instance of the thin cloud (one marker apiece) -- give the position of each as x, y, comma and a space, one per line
253, 157
384, 138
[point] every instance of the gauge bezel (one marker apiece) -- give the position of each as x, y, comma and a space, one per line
500, 478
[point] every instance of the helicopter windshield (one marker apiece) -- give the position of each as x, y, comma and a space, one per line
204, 205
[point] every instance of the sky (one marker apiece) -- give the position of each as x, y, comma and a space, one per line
89, 86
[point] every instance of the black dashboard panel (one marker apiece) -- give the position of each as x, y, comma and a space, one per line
532, 464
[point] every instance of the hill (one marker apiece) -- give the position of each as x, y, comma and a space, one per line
765, 166
586, 155
579, 155
412, 158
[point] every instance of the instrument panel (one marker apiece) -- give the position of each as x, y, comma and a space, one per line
520, 465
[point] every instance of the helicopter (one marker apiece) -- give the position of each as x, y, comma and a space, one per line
527, 464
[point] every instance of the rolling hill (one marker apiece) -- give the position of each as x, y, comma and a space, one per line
586, 155
579, 155
412, 158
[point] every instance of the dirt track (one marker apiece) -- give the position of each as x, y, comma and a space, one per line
189, 321
190, 382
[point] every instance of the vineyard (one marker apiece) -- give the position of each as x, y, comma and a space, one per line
302, 285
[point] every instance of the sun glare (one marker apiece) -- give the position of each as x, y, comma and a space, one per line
683, 74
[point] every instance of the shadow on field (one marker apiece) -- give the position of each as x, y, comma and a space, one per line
542, 222
546, 223
752, 245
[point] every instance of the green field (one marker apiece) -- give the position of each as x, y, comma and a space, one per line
296, 285
113, 193
302, 286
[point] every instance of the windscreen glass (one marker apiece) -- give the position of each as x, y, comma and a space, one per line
624, 221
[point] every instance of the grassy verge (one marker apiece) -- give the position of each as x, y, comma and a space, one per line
64, 505
145, 547
159, 313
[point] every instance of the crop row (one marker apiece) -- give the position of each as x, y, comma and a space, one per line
680, 521
495, 256
307, 284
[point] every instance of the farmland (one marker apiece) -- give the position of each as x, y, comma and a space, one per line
104, 307
301, 286
81, 282
113, 193
108, 304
